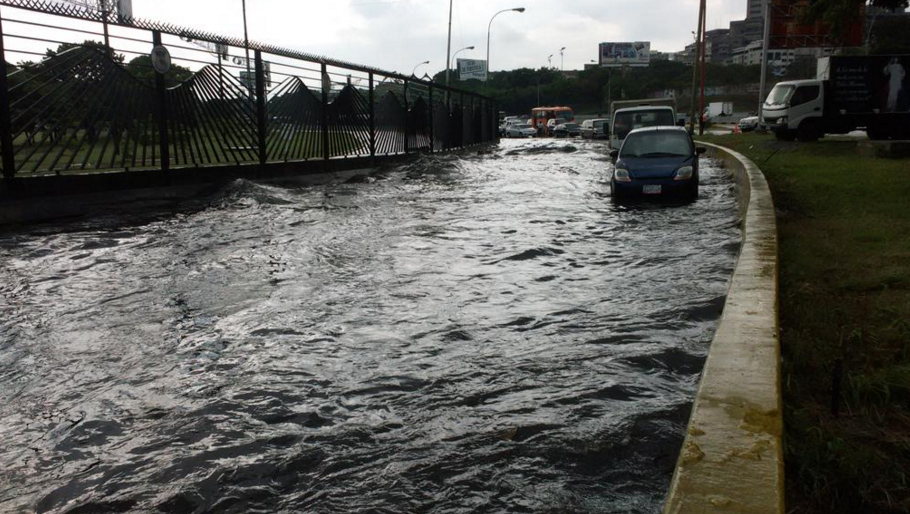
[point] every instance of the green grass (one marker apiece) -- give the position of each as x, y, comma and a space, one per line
844, 231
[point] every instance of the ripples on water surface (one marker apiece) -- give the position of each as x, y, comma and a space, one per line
485, 333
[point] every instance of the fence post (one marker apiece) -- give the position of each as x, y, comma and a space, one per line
431, 117
6, 129
372, 119
161, 98
461, 128
261, 108
326, 85
407, 118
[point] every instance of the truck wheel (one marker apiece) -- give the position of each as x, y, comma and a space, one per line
808, 132
785, 135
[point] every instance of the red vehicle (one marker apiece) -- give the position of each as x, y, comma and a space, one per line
541, 115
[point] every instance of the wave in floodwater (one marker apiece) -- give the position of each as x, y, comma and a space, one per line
476, 333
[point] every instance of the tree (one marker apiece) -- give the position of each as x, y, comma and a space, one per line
141, 68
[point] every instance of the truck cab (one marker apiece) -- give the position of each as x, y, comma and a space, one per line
795, 110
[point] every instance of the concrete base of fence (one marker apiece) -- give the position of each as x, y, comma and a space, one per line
731, 460
47, 198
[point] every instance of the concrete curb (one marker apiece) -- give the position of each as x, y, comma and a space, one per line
732, 457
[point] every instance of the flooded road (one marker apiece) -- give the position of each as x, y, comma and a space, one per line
477, 333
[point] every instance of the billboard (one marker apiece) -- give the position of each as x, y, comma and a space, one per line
791, 29
635, 54
472, 69
869, 83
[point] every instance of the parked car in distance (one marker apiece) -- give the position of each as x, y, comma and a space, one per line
748, 123
508, 123
656, 161
551, 124
598, 128
567, 130
520, 130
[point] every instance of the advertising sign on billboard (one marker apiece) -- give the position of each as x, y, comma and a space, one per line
472, 69
791, 29
635, 54
868, 83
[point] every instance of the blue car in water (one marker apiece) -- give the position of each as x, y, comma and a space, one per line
656, 162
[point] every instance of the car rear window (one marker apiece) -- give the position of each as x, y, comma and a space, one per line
657, 144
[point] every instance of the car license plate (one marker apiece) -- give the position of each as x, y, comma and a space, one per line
651, 189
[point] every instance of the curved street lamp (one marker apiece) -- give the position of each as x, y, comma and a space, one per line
419, 65
490, 25
455, 55
562, 59
550, 61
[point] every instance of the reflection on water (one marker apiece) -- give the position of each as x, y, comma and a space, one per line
485, 333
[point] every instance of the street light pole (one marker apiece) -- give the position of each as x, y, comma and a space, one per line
489, 26
246, 45
449, 48
562, 59
550, 61
418, 65
455, 57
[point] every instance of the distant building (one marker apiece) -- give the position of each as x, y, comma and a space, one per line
755, 9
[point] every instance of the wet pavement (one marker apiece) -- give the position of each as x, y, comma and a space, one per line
475, 333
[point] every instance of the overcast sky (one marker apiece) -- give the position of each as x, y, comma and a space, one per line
398, 34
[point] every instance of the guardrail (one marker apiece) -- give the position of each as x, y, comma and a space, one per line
732, 456
82, 95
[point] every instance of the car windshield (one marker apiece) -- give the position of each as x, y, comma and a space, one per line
780, 94
625, 122
600, 123
657, 144
572, 126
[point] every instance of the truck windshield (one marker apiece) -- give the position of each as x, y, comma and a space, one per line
779, 95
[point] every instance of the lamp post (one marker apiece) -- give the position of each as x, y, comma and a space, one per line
562, 59
449, 49
455, 57
550, 61
246, 46
419, 65
490, 25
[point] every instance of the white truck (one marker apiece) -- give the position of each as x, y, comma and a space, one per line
715, 109
869, 92
628, 115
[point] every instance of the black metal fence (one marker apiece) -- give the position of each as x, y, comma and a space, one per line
81, 94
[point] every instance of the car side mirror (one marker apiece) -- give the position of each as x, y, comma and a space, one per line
700, 150
614, 154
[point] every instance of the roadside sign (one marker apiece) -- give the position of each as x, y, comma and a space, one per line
617, 55
472, 69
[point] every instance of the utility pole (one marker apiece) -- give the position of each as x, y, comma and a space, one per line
449, 47
246, 44
695, 64
704, 63
764, 61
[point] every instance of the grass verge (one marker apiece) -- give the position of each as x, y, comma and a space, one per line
844, 230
